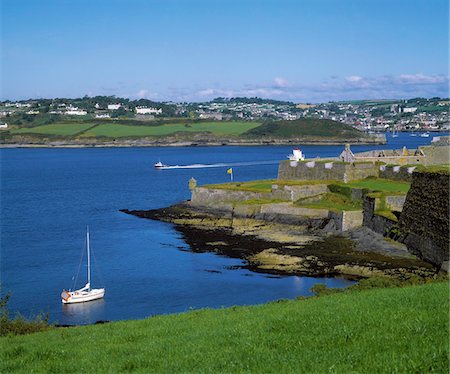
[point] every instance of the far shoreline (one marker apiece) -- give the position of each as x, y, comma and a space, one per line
139, 144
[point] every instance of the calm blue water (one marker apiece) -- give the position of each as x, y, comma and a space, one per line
48, 196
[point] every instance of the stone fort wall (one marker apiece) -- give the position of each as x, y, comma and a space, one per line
326, 170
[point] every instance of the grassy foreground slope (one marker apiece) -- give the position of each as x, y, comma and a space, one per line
382, 330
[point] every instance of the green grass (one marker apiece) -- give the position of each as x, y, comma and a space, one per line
439, 169
330, 201
230, 128
56, 129
253, 186
383, 330
379, 184
263, 185
306, 127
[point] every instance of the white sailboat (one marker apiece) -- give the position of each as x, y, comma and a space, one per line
86, 293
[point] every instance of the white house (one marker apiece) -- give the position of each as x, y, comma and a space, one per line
114, 106
3, 126
73, 111
145, 110
102, 115
409, 110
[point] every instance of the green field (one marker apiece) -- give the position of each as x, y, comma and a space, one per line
379, 184
233, 128
264, 185
129, 128
306, 127
330, 201
393, 330
118, 130
57, 129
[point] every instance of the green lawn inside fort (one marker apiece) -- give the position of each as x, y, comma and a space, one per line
371, 184
337, 199
380, 184
264, 185
378, 330
330, 201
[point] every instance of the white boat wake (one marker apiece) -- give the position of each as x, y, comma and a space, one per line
219, 165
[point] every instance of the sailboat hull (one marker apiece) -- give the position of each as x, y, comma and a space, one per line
83, 296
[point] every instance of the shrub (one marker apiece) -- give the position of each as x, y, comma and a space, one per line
20, 325
340, 189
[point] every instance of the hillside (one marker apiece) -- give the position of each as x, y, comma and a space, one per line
306, 127
381, 330
181, 132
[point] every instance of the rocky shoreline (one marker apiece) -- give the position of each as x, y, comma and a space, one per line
283, 249
173, 141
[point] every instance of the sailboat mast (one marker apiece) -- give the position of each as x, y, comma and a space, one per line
89, 259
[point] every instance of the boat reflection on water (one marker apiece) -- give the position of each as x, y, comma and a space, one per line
84, 313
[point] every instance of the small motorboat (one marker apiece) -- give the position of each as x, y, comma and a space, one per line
425, 135
159, 165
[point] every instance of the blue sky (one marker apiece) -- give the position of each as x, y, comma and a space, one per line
193, 50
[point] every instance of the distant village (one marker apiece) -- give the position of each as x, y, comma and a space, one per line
367, 115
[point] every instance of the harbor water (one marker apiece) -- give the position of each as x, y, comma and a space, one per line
49, 196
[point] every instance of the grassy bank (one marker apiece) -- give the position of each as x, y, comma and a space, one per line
305, 127
383, 330
264, 185
123, 128
330, 201
118, 129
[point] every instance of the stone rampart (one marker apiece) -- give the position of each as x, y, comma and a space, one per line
289, 209
205, 196
395, 203
351, 220
397, 172
294, 193
326, 170
424, 222
229, 204
375, 222
436, 155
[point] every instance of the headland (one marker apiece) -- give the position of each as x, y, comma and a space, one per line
176, 132
355, 215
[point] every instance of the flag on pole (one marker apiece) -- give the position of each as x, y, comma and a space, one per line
230, 171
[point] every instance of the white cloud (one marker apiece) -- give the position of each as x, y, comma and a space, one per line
334, 88
142, 94
281, 82
353, 78
207, 92
422, 78
145, 94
